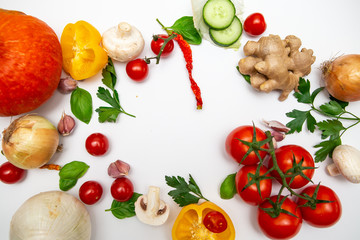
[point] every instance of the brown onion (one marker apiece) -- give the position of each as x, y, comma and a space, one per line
342, 77
30, 141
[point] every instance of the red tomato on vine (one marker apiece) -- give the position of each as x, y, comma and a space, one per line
238, 150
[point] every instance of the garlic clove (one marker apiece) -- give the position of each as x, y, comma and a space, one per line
276, 126
118, 169
66, 125
67, 85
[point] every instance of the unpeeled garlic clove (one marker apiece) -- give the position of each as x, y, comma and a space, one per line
277, 126
66, 125
67, 85
118, 169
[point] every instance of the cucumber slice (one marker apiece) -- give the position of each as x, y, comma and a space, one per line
229, 35
218, 14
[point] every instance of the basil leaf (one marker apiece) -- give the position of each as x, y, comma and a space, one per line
228, 187
126, 209
185, 27
81, 104
67, 184
73, 170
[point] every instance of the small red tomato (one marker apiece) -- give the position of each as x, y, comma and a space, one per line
237, 150
11, 174
284, 226
285, 160
90, 192
97, 144
255, 24
251, 194
158, 43
324, 214
122, 189
137, 69
215, 222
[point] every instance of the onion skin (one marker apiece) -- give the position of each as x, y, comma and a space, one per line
342, 77
30, 141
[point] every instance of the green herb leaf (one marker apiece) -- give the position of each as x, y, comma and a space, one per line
185, 27
342, 103
109, 75
330, 128
303, 95
326, 148
332, 108
299, 119
81, 104
184, 193
67, 184
228, 187
109, 114
70, 173
105, 95
126, 209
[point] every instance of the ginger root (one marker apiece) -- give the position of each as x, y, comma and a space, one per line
276, 64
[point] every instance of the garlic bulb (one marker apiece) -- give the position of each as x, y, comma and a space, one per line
30, 141
51, 215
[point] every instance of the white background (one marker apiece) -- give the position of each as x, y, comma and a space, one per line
169, 136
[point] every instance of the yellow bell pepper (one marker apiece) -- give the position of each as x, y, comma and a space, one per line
83, 56
189, 224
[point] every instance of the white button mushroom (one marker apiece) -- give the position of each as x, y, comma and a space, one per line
123, 42
150, 209
346, 162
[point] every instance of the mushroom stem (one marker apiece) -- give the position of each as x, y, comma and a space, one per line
153, 202
333, 170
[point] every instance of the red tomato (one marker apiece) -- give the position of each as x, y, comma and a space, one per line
325, 214
122, 189
97, 144
156, 46
90, 192
237, 149
11, 174
285, 157
251, 194
283, 226
215, 222
255, 24
137, 69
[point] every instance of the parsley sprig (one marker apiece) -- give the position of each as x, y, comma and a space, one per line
109, 114
184, 193
332, 128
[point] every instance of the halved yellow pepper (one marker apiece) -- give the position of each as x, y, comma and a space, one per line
189, 224
83, 56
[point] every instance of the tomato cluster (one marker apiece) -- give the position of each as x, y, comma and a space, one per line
138, 69
279, 216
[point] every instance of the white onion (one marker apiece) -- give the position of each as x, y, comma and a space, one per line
49, 216
30, 141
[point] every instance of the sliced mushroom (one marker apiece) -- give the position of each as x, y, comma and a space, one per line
123, 42
346, 162
150, 209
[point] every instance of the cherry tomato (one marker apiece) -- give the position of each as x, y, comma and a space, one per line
251, 194
97, 144
285, 160
90, 192
215, 222
11, 174
255, 24
137, 69
284, 226
325, 214
156, 45
237, 149
122, 189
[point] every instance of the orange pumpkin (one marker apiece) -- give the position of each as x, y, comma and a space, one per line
31, 62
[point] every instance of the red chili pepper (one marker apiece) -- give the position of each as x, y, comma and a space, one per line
185, 48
